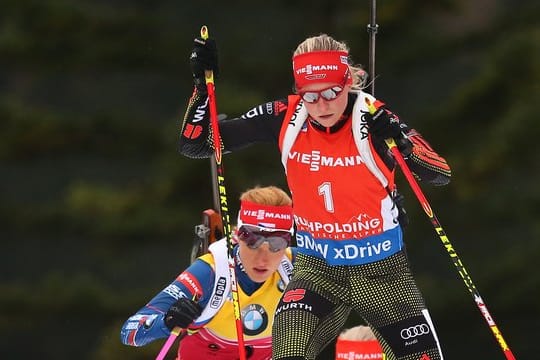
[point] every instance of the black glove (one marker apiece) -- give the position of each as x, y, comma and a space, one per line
384, 124
203, 57
182, 313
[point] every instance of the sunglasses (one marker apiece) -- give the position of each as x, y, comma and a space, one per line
255, 236
327, 94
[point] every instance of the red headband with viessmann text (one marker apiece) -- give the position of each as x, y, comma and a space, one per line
271, 217
321, 66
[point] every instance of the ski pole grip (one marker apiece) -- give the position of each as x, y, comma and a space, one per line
389, 142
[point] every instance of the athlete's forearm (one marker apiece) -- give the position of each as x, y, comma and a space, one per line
195, 130
260, 124
148, 323
144, 327
425, 163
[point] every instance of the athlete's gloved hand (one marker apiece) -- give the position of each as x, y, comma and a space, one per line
203, 57
182, 313
384, 124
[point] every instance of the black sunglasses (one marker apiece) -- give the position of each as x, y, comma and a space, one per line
255, 236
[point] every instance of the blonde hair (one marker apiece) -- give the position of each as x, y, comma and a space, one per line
360, 332
324, 42
268, 195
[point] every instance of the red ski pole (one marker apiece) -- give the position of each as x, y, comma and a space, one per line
223, 207
372, 29
450, 249
219, 184
446, 242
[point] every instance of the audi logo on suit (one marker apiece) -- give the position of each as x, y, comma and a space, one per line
414, 331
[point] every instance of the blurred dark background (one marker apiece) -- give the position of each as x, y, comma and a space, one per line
98, 208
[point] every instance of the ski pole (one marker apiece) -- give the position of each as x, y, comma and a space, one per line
372, 28
170, 340
177, 331
447, 245
223, 207
449, 248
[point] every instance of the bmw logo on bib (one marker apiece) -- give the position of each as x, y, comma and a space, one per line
254, 319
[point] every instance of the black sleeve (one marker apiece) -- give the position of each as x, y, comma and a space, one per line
425, 164
260, 124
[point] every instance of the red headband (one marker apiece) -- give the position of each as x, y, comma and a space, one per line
321, 66
271, 217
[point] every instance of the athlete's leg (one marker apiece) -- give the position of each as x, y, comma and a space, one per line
310, 314
386, 295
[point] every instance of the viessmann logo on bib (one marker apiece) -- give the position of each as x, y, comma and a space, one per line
315, 160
